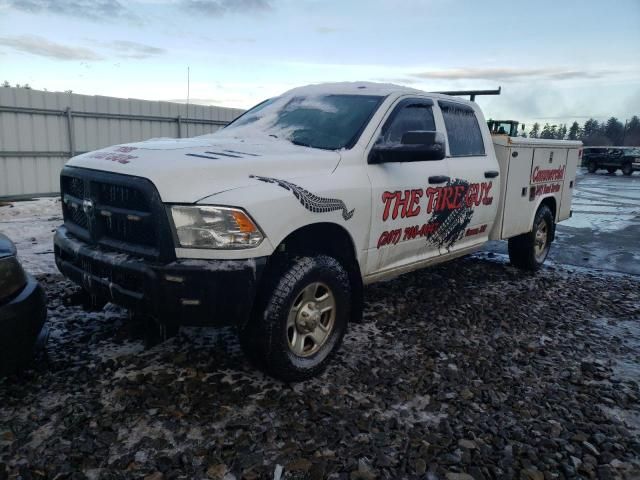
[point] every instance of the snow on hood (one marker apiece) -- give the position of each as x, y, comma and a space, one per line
187, 170
349, 88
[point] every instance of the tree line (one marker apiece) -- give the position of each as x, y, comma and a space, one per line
592, 132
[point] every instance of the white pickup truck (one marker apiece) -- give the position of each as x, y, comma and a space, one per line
275, 223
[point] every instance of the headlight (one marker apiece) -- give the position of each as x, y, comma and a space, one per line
12, 277
214, 227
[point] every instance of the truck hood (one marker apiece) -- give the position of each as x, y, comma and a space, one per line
187, 170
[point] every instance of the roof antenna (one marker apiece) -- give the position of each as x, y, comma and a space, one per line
188, 84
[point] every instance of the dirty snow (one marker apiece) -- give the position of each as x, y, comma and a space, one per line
30, 224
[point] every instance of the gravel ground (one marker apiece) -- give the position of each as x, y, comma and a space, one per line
467, 370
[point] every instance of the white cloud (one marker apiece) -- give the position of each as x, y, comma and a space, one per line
44, 48
217, 8
128, 49
98, 10
513, 73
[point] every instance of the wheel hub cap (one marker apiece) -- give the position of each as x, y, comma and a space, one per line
541, 240
308, 318
311, 319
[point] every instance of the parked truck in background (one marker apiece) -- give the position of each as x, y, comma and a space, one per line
612, 159
275, 223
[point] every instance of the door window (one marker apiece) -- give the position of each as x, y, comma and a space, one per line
463, 131
410, 115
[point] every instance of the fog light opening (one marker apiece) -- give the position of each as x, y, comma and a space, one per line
189, 302
174, 278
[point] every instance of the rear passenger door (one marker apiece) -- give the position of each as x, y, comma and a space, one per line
471, 194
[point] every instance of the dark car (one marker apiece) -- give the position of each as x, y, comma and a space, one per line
612, 158
22, 310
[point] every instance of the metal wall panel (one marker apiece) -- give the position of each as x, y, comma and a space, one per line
36, 141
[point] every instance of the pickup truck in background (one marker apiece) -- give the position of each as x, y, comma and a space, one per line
612, 159
275, 223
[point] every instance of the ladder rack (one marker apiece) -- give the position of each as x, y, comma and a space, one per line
472, 93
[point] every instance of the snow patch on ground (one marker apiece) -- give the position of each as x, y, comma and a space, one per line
112, 351
414, 411
31, 224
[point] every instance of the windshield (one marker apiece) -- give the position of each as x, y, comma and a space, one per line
329, 122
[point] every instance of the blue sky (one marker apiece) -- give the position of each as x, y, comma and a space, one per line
555, 60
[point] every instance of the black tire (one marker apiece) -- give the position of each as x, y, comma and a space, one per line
522, 249
19, 335
627, 169
592, 167
611, 169
265, 340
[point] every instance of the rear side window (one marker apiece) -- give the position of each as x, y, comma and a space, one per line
410, 115
463, 131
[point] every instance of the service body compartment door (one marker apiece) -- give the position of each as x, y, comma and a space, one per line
533, 174
569, 184
517, 205
548, 174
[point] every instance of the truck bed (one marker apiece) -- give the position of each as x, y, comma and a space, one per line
532, 170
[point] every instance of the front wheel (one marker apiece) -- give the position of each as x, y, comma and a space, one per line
592, 167
300, 319
627, 169
529, 250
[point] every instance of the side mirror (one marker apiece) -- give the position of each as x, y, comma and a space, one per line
415, 146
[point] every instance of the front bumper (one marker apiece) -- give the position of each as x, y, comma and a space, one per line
184, 292
21, 321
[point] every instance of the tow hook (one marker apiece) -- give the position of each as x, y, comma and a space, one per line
81, 298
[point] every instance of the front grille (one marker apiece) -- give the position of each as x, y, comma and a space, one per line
117, 212
75, 214
122, 197
119, 227
73, 186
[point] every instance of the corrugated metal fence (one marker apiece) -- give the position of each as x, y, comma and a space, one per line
40, 131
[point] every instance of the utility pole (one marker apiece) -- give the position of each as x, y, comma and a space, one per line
188, 88
624, 132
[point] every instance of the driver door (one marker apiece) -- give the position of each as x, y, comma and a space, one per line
401, 223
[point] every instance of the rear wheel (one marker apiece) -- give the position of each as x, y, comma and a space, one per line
611, 169
627, 169
529, 250
300, 319
592, 167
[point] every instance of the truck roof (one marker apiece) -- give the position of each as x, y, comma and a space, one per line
364, 88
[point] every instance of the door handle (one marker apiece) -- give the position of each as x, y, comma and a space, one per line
491, 174
438, 179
